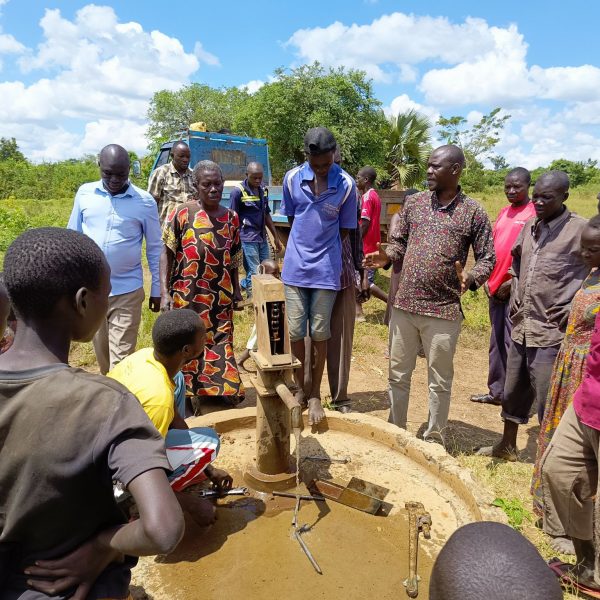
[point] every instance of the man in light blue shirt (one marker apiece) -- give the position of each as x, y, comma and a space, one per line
319, 199
118, 216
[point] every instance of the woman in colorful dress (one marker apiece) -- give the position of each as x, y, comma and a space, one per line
199, 270
569, 366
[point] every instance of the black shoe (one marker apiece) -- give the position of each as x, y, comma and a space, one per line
486, 399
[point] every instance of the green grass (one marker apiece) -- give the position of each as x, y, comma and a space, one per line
509, 482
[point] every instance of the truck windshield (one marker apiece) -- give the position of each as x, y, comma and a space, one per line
163, 157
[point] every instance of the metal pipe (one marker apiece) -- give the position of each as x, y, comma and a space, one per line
301, 496
313, 562
292, 404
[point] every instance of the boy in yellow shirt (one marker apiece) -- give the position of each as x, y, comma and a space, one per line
154, 376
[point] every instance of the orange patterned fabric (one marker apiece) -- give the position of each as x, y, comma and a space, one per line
206, 249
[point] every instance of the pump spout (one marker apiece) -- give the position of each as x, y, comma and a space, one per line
292, 404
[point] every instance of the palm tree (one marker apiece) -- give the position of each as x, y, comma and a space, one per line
409, 147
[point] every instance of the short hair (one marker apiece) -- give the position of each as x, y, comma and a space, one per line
254, 166
520, 172
454, 152
179, 144
174, 329
559, 178
370, 173
44, 265
491, 561
319, 140
205, 166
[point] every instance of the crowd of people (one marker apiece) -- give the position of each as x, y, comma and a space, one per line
538, 265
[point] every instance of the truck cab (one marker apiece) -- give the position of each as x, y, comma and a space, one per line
231, 152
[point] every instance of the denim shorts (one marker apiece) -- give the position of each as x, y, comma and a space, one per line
308, 306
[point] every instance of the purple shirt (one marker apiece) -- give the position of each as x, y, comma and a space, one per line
586, 401
313, 256
252, 211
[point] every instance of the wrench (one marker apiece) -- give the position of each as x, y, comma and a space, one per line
419, 520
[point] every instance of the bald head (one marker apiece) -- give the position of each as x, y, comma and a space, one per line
179, 145
559, 180
444, 168
491, 561
113, 153
451, 153
114, 168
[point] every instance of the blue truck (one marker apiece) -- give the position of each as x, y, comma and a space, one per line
234, 152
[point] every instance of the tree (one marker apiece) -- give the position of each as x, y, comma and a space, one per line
9, 150
477, 140
579, 173
408, 148
498, 162
173, 111
342, 100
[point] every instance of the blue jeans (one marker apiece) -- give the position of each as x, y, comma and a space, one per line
254, 254
309, 308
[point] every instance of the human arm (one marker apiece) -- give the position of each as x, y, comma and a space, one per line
152, 233
166, 267
483, 250
156, 184
178, 422
503, 292
236, 260
158, 531
364, 226
271, 227
76, 217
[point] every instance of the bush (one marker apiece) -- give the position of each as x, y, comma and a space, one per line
13, 222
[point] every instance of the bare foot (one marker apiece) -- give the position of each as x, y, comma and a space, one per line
498, 451
201, 510
562, 545
315, 411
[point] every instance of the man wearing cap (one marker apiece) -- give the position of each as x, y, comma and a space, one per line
319, 199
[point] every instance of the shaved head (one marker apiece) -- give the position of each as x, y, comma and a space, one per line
369, 173
452, 153
179, 144
559, 180
115, 154
114, 168
254, 167
491, 561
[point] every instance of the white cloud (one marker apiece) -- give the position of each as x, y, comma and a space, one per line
470, 66
96, 70
252, 86
403, 103
391, 41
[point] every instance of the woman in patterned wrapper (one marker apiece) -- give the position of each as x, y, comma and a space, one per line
199, 270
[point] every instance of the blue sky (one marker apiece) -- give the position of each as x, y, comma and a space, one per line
76, 75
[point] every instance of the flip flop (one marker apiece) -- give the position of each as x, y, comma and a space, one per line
562, 571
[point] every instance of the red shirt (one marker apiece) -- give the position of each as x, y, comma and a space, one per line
586, 401
371, 211
507, 227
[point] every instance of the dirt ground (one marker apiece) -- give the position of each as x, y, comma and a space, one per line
470, 424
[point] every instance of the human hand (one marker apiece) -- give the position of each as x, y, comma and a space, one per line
221, 480
486, 289
166, 302
464, 277
278, 246
376, 260
154, 303
503, 292
79, 569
